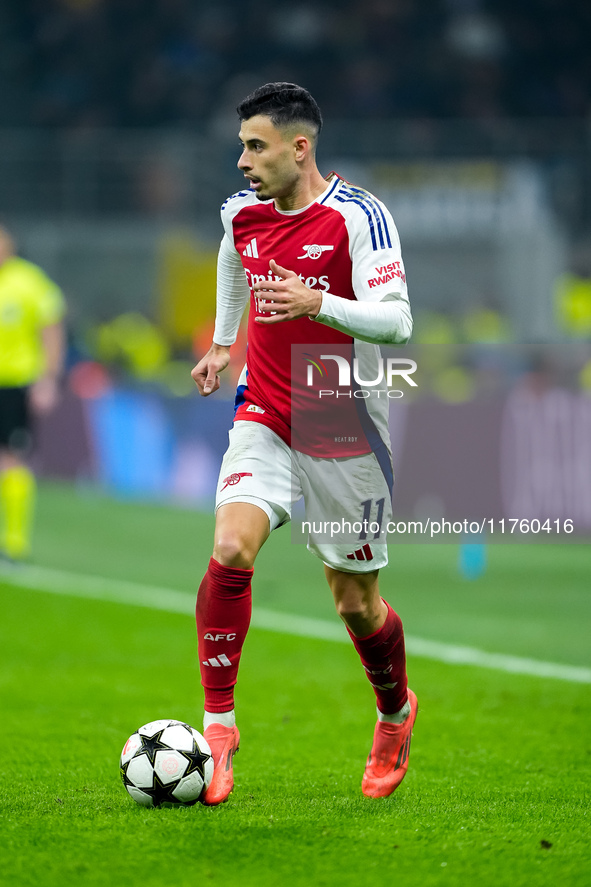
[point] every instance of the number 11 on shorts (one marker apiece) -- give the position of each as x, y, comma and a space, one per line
367, 524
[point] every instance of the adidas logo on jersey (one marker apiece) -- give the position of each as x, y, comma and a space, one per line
251, 249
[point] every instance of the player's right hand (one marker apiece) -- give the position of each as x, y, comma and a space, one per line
205, 374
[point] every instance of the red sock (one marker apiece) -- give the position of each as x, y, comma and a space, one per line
223, 611
383, 657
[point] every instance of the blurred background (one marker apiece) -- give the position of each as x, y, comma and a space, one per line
471, 119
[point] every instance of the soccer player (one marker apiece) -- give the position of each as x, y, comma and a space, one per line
320, 262
31, 358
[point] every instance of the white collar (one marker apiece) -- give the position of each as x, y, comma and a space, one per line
294, 212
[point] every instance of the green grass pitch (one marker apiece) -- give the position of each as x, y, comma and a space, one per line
497, 790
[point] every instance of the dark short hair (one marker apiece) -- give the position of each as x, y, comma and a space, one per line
284, 103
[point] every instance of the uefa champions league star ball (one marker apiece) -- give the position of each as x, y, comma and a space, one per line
166, 763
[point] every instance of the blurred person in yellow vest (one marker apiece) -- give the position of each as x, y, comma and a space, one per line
573, 304
32, 308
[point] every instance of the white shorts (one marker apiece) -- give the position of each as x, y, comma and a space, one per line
347, 501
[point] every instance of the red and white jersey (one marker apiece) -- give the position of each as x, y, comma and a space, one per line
344, 243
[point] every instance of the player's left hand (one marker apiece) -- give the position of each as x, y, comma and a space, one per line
285, 299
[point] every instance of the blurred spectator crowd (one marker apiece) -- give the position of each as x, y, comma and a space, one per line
77, 63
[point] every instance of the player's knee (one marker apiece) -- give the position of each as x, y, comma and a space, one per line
361, 612
361, 620
231, 550
352, 609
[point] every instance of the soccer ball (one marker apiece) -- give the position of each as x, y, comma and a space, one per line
166, 763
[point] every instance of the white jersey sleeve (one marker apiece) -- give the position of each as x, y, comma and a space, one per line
232, 294
381, 313
378, 269
232, 288
388, 322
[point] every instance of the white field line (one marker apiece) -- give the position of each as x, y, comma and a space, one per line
171, 601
